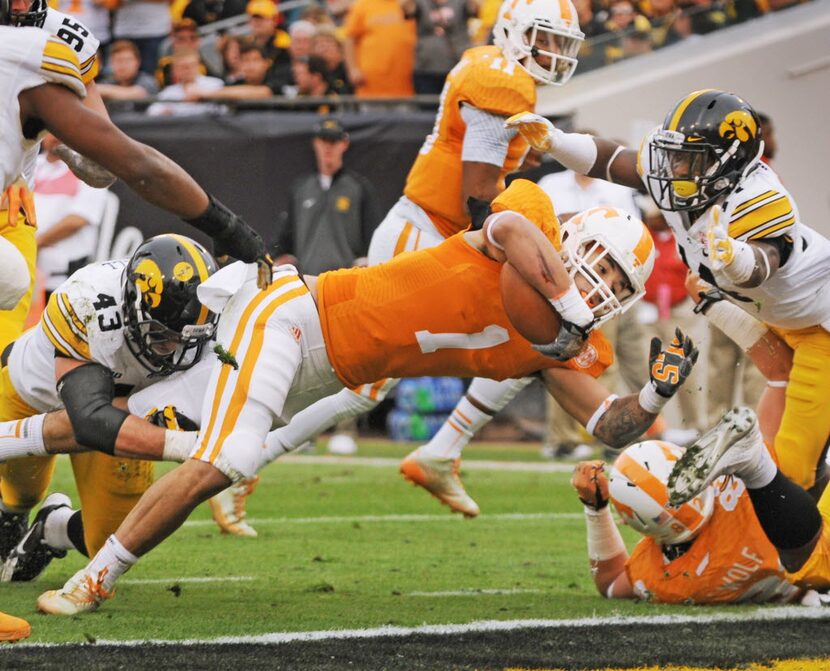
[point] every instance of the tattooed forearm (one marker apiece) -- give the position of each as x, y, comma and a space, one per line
624, 422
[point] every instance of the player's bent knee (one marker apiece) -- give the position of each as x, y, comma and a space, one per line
14, 276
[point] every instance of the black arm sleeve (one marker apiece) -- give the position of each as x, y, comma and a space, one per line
87, 392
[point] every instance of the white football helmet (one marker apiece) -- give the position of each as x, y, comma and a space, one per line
637, 486
527, 29
607, 232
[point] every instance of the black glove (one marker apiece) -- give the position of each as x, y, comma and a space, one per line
568, 342
234, 237
170, 418
708, 299
668, 369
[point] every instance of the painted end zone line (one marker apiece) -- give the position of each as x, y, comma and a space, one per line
184, 581
760, 615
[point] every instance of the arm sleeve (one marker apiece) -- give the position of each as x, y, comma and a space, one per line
486, 139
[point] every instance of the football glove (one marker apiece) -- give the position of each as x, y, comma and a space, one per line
669, 368
232, 236
730, 259
591, 484
568, 342
85, 169
18, 197
536, 129
170, 418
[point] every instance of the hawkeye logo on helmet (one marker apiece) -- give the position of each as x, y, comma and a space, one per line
738, 125
150, 282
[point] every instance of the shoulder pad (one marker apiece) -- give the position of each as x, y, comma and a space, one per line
495, 84
79, 37
760, 208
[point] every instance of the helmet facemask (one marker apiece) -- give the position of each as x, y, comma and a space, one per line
688, 176
530, 32
160, 348
34, 16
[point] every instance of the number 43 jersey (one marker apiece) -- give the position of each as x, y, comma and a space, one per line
83, 320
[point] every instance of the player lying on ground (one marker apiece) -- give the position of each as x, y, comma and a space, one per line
725, 544
310, 351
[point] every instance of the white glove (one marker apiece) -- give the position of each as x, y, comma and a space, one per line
537, 130
730, 259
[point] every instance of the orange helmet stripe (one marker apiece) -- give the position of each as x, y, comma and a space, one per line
645, 480
644, 246
565, 10
675, 120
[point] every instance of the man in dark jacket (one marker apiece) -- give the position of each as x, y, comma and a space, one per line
331, 212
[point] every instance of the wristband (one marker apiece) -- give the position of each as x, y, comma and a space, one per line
572, 307
742, 328
576, 151
599, 412
178, 445
604, 539
650, 400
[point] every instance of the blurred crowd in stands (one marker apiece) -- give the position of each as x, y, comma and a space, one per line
201, 51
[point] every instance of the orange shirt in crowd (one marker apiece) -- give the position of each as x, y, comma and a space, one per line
484, 79
384, 45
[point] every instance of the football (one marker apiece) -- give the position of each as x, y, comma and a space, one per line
528, 310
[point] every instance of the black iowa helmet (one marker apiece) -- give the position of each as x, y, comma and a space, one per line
708, 142
167, 326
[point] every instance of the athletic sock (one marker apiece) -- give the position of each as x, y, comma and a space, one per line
56, 528
456, 431
22, 438
787, 513
111, 562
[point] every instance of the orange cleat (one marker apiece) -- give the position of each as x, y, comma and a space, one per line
13, 628
441, 479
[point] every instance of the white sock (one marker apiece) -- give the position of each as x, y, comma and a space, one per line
466, 419
111, 562
22, 438
313, 420
56, 529
759, 472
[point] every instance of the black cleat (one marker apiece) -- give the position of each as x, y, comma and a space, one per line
28, 559
12, 529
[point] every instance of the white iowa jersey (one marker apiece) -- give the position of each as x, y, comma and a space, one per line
85, 45
29, 57
760, 208
83, 320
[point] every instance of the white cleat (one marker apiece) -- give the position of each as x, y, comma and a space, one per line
440, 477
228, 508
83, 593
731, 444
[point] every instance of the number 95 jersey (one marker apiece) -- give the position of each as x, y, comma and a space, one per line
84, 321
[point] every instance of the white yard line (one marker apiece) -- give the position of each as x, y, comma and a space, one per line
468, 465
182, 581
759, 615
336, 519
478, 592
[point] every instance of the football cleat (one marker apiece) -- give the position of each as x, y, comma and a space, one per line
82, 593
731, 444
28, 559
228, 508
13, 628
12, 529
440, 477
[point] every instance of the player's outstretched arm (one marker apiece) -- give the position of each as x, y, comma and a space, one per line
149, 173
617, 421
606, 550
585, 154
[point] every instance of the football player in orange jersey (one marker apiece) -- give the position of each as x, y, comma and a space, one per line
723, 542
460, 169
281, 351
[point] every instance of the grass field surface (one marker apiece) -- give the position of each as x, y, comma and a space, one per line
351, 546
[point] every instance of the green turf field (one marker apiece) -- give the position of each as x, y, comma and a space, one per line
351, 546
